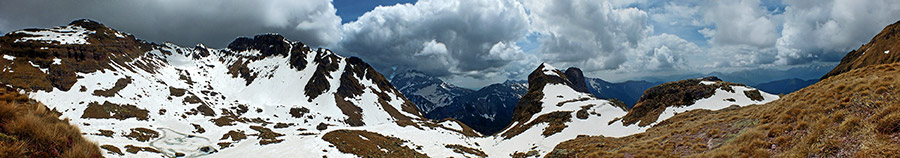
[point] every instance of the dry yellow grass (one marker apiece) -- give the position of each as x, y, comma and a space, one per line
854, 114
29, 129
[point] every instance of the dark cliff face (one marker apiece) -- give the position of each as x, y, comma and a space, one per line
882, 49
575, 76
267, 44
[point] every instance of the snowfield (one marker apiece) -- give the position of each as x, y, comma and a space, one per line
61, 35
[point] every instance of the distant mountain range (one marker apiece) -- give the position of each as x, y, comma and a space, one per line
785, 86
754, 76
486, 110
490, 108
628, 92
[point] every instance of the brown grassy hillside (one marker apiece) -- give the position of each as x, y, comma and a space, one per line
853, 114
882, 49
29, 129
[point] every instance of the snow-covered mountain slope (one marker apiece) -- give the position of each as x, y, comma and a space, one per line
553, 111
428, 92
663, 101
139, 99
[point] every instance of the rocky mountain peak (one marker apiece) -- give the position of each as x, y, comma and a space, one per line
546, 74
267, 44
88, 24
575, 76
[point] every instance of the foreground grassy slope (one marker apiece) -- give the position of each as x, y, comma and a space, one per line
29, 129
853, 114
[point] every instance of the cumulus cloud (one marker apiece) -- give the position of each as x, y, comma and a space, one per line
825, 30
595, 40
212, 22
664, 52
677, 14
740, 22
473, 38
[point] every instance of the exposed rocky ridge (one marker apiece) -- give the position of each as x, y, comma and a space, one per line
882, 49
530, 103
683, 93
264, 92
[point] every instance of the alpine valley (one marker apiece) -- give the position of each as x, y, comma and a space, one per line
268, 96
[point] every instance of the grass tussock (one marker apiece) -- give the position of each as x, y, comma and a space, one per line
854, 114
29, 129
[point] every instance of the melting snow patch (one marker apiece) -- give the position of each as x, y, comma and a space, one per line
707, 82
452, 125
363, 137
120, 35
45, 70
57, 61
63, 35
8, 57
251, 52
717, 101
887, 51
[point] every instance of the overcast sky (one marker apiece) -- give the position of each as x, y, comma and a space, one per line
477, 42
